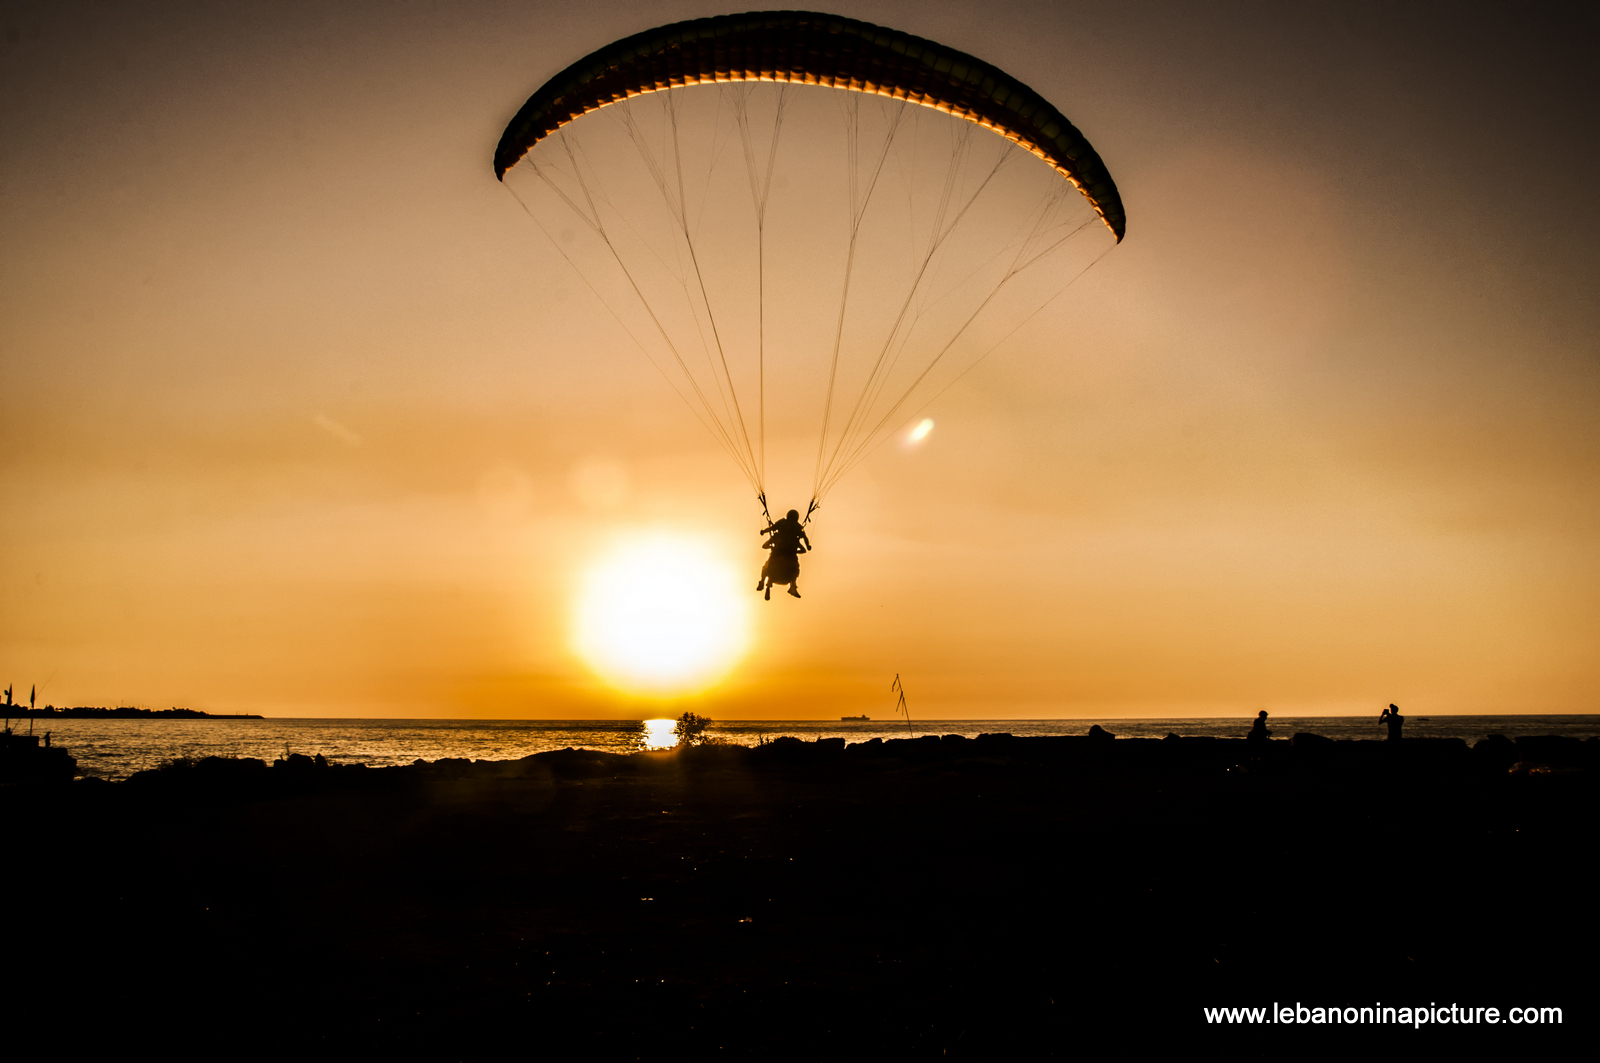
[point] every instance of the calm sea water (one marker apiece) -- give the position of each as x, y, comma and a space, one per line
115, 749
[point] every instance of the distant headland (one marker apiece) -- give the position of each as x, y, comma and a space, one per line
123, 712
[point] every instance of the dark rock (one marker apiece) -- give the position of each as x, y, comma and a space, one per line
572, 763
1495, 753
787, 749
1427, 755
716, 754
921, 749
1100, 734
230, 767
24, 760
1554, 750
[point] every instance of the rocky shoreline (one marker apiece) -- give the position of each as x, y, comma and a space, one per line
940, 897
1304, 753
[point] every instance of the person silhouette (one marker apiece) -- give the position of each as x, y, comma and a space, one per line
787, 541
1258, 730
1391, 716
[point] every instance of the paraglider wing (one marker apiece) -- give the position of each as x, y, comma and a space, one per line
815, 49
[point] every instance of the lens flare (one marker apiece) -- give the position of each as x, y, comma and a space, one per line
661, 615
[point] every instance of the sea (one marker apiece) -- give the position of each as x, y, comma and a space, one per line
115, 749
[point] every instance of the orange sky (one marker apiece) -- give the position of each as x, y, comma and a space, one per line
298, 418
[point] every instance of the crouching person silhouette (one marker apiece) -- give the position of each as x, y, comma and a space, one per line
786, 542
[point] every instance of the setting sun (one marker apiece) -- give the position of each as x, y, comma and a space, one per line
661, 615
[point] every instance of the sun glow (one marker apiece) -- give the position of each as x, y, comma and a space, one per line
661, 615
920, 432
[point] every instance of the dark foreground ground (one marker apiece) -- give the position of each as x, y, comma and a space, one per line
996, 898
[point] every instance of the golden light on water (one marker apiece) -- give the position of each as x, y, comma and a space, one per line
658, 734
662, 615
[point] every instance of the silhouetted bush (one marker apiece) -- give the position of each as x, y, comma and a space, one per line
691, 728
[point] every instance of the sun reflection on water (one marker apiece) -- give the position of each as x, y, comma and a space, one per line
658, 734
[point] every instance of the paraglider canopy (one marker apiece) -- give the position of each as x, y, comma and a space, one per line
815, 49
791, 211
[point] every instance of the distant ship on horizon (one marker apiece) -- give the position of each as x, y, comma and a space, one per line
855, 717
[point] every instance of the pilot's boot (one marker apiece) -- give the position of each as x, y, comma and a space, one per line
769, 592
794, 590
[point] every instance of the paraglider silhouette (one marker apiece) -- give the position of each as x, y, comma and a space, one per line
787, 208
787, 541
